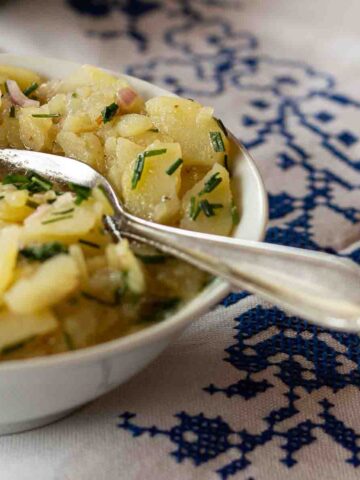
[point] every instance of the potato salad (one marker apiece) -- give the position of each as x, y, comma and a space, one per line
64, 284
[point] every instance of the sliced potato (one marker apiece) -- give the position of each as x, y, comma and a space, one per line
201, 138
22, 76
15, 328
89, 75
54, 280
13, 206
133, 124
154, 194
85, 147
120, 156
220, 220
121, 257
9, 245
63, 220
35, 133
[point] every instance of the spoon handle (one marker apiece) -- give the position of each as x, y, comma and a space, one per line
314, 285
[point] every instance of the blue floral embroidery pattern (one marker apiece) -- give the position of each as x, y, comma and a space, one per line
298, 114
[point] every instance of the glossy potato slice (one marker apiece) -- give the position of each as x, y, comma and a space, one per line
202, 140
9, 244
63, 221
154, 195
16, 328
22, 76
52, 282
120, 153
220, 221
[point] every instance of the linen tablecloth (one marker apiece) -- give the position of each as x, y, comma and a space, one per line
248, 392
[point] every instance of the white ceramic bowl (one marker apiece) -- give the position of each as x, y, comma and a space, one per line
40, 390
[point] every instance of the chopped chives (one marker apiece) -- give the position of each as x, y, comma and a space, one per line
32, 204
16, 346
63, 212
153, 130
82, 193
208, 208
43, 252
2, 197
174, 166
6, 87
192, 207
29, 90
89, 244
69, 341
12, 112
140, 163
226, 162
46, 115
109, 111
45, 185
58, 219
150, 259
74, 95
153, 153
235, 214
32, 182
138, 169
211, 184
222, 127
217, 141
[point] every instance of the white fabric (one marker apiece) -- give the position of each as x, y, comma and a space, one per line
325, 34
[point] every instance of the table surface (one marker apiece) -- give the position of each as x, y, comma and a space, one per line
248, 392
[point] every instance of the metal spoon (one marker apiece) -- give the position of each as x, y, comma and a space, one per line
317, 286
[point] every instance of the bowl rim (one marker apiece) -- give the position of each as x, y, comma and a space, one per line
153, 333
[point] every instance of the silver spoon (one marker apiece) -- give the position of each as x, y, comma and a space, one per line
317, 286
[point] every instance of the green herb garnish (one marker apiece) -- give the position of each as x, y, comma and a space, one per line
29, 90
82, 193
138, 169
63, 212
74, 95
57, 219
222, 126
151, 259
226, 164
192, 207
109, 111
235, 214
89, 244
174, 166
208, 208
46, 115
16, 346
160, 308
69, 341
43, 184
12, 112
32, 182
31, 204
211, 184
153, 153
113, 303
140, 162
6, 87
153, 130
217, 141
43, 252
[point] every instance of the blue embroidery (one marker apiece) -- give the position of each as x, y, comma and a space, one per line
297, 110
201, 439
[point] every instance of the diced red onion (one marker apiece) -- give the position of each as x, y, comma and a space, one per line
18, 97
125, 97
